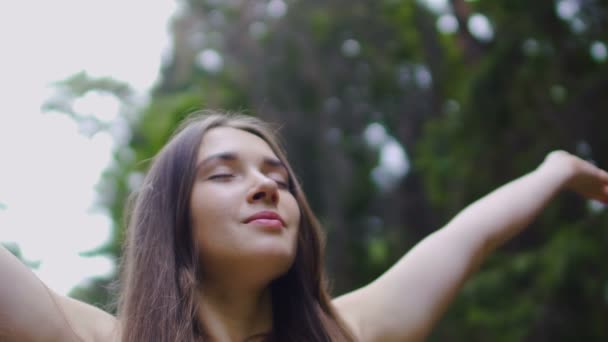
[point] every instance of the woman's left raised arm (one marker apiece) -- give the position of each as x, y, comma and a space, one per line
406, 301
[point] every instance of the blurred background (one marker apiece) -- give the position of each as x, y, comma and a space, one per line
396, 115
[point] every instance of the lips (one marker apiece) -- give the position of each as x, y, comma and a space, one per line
266, 217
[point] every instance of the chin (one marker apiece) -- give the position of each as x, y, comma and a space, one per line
275, 259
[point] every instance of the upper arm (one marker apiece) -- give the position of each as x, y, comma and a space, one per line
87, 321
406, 301
29, 311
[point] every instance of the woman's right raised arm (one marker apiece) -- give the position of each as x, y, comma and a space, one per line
30, 311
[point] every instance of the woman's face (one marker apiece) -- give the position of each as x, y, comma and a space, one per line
242, 210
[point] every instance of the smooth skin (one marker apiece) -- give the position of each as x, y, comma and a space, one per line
238, 176
401, 305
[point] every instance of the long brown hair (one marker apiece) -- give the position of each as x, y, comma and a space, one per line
160, 267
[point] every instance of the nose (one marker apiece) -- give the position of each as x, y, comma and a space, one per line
265, 189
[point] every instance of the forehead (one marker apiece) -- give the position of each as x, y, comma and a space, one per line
229, 139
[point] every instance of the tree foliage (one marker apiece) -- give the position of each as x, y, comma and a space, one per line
472, 112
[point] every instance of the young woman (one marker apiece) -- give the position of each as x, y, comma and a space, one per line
222, 246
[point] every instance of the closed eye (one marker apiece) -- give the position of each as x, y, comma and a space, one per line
279, 179
221, 176
281, 184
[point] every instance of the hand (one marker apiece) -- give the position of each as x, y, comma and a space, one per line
581, 176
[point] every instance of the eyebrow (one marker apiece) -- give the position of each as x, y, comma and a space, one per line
232, 156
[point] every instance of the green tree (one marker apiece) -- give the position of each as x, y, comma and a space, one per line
474, 105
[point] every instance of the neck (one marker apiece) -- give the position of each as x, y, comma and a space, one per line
232, 313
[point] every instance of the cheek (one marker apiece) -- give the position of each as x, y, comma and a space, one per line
292, 207
210, 209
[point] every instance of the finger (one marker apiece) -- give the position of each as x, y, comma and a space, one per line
603, 176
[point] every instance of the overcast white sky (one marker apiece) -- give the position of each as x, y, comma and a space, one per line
48, 170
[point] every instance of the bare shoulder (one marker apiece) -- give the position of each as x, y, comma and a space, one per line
347, 307
88, 322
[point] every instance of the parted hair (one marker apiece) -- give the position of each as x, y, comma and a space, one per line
160, 267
